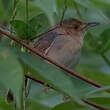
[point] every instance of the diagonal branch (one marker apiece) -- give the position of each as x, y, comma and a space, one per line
69, 71
84, 100
36, 80
2, 31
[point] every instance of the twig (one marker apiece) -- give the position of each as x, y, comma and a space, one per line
49, 60
36, 80
64, 10
105, 59
84, 100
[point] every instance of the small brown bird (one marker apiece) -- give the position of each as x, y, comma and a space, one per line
63, 44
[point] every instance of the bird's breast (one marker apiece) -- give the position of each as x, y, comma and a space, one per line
65, 50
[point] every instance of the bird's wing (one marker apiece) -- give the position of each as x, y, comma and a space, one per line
44, 42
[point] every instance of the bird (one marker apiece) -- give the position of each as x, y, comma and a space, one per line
64, 42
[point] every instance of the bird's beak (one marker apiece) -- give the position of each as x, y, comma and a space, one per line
91, 24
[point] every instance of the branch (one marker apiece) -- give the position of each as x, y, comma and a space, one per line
84, 100
49, 60
36, 80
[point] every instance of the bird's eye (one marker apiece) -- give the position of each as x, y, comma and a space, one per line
76, 27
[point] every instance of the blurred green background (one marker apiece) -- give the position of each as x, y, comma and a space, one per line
39, 15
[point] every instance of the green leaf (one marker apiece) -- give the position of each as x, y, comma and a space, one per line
98, 90
105, 40
98, 44
11, 74
105, 1
20, 28
6, 3
38, 24
91, 42
3, 91
51, 98
5, 106
49, 7
105, 102
33, 105
70, 12
61, 4
21, 10
1, 9
95, 75
69, 105
55, 77
30, 105
89, 5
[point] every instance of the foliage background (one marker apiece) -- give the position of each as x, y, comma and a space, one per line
94, 62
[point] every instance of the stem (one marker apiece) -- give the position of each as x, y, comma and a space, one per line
33, 50
105, 59
36, 80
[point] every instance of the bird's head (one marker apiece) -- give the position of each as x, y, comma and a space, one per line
76, 28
